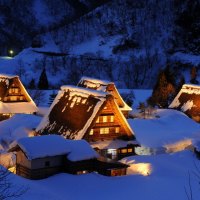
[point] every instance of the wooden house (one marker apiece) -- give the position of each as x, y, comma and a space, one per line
14, 98
188, 101
81, 113
105, 86
42, 156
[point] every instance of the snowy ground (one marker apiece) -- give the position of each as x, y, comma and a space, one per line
168, 179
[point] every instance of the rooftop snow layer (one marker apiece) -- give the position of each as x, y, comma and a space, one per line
83, 91
53, 145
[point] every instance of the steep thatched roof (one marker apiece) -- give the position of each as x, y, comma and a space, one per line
25, 106
188, 100
74, 111
105, 86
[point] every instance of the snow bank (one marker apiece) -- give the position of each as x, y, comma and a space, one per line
170, 127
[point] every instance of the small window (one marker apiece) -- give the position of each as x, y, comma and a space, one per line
105, 118
97, 121
47, 164
117, 130
112, 118
130, 150
91, 132
123, 150
104, 130
13, 98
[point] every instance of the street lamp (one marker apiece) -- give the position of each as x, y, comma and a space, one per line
11, 52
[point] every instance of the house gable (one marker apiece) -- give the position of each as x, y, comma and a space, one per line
109, 124
14, 97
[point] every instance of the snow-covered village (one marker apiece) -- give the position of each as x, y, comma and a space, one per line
99, 99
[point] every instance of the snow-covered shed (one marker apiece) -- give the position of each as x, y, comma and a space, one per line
41, 156
105, 86
13, 97
82, 113
188, 101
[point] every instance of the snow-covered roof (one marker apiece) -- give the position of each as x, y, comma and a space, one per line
188, 100
54, 145
84, 92
105, 86
94, 83
72, 111
8, 76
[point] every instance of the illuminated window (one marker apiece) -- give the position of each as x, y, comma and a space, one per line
130, 150
13, 98
104, 130
123, 150
91, 132
16, 90
97, 121
112, 118
105, 119
117, 130
21, 98
105, 108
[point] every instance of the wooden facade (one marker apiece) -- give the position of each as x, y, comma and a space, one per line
44, 167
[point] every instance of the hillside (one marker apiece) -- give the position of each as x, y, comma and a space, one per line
124, 41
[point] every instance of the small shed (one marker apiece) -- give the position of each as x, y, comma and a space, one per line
42, 156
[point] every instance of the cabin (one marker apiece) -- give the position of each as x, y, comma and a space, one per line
105, 86
188, 101
82, 113
14, 98
36, 159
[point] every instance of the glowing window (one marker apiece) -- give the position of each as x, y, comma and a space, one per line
130, 150
112, 118
117, 130
104, 130
97, 121
123, 150
105, 118
91, 132
13, 98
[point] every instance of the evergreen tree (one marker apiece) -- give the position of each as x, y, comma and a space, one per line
31, 85
193, 75
43, 83
164, 90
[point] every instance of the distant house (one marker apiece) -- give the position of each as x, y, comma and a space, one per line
36, 159
188, 101
81, 113
13, 97
105, 86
